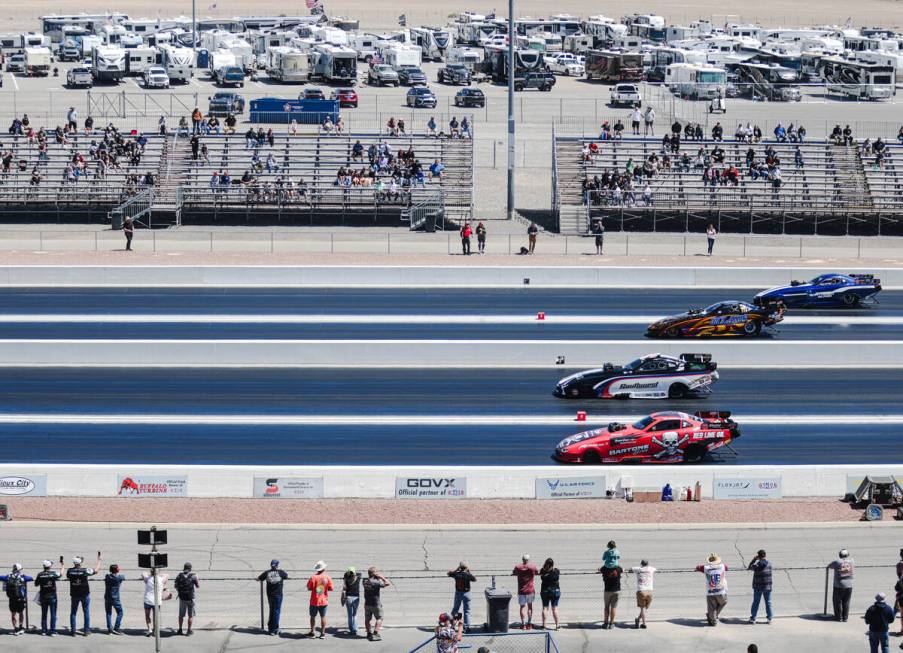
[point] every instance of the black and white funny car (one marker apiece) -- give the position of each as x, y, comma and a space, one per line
654, 376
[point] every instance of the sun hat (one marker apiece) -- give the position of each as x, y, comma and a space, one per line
714, 559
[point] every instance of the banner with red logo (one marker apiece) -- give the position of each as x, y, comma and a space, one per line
141, 486
288, 487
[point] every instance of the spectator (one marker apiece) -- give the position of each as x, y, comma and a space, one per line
525, 572
780, 134
710, 234
351, 597
230, 124
466, 232
196, 117
676, 127
373, 607
481, 237
448, 634
611, 557
436, 169
647, 195
761, 585
183, 126
111, 601
644, 587
155, 593
453, 127
900, 135
798, 158
549, 590
635, 118
619, 129
843, 584
649, 122
465, 127
598, 231
71, 119
327, 126
463, 578
186, 583
757, 134
89, 124
667, 493
390, 127
431, 126
716, 587
399, 127
898, 603
80, 592
611, 584
532, 230
274, 579
46, 581
847, 135
879, 616
128, 229
195, 144
801, 134
320, 584
718, 132
271, 164
15, 586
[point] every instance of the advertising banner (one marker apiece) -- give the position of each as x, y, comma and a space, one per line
576, 487
430, 487
23, 485
748, 488
288, 487
169, 485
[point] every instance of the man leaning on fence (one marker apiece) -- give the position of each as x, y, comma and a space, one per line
843, 584
273, 578
46, 582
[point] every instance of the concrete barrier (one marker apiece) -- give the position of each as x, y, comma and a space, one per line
222, 481
422, 276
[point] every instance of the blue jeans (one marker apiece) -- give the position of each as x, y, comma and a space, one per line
351, 603
462, 598
48, 605
878, 638
757, 596
111, 604
85, 602
275, 610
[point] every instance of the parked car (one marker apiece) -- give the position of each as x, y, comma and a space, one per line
382, 75
312, 93
79, 78
454, 73
347, 97
627, 95
541, 81
16, 64
411, 76
470, 97
421, 96
156, 77
564, 63
230, 76
225, 102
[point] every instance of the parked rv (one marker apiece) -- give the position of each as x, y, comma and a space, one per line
856, 79
696, 81
608, 66
37, 61
288, 65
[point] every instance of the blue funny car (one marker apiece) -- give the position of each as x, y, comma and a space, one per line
847, 290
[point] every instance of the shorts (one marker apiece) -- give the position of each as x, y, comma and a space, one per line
611, 599
318, 610
17, 605
643, 599
148, 606
373, 612
525, 599
550, 598
186, 609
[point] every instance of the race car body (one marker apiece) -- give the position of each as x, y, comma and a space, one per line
722, 319
654, 376
660, 438
847, 290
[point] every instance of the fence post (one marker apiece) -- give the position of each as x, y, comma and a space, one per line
95, 241
272, 242
261, 606
826, 592
211, 242
388, 242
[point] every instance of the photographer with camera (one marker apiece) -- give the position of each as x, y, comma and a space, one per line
463, 579
449, 633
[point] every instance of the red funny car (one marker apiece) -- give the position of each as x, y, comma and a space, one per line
665, 437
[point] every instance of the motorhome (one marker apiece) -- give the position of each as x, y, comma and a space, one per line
147, 26
276, 22
698, 28
398, 55
234, 25
696, 81
130, 40
139, 60
366, 46
261, 42
782, 35
334, 63
108, 63
746, 30
288, 65
647, 26
88, 43
662, 57
563, 25
112, 34
768, 81
534, 41
603, 30
331, 35
434, 42
37, 61
610, 66
470, 57
15, 43
885, 58
52, 25
496, 62
857, 79
475, 33
627, 42
577, 43
178, 62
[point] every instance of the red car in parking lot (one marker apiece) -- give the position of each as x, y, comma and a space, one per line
347, 97
664, 437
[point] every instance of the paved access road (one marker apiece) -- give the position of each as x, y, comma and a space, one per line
416, 561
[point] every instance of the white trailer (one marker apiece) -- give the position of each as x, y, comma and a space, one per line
696, 81
244, 54
398, 55
140, 60
433, 41
857, 79
330, 35
288, 65
334, 63
37, 61
366, 45
108, 63
470, 57
89, 42
178, 62
112, 34
220, 59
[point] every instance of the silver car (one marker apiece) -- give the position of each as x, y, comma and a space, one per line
156, 77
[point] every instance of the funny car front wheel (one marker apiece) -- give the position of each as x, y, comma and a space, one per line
591, 458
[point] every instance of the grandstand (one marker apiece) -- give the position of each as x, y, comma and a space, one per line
838, 189
180, 191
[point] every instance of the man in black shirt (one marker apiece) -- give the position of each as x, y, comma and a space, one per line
611, 579
46, 581
351, 597
186, 582
463, 579
80, 593
274, 579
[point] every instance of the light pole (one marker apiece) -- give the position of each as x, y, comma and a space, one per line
194, 31
510, 205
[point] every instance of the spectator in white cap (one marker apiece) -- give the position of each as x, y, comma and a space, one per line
80, 593
46, 581
843, 584
320, 584
15, 585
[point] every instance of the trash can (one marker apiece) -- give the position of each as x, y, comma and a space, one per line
497, 601
117, 219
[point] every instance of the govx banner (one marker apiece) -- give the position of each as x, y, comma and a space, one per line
25, 485
170, 485
430, 487
288, 487
748, 488
577, 487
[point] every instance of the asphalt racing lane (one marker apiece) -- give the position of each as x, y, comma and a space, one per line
366, 301
384, 392
406, 445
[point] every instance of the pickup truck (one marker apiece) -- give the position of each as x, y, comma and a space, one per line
225, 102
564, 63
382, 75
454, 73
541, 81
626, 95
79, 78
230, 76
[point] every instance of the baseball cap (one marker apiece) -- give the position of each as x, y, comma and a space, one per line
17, 567
77, 560
47, 564
351, 570
443, 618
843, 553
274, 563
187, 566
880, 596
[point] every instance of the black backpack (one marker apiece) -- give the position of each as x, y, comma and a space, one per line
14, 585
185, 585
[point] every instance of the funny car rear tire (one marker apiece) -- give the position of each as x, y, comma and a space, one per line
677, 391
850, 300
694, 453
752, 328
591, 458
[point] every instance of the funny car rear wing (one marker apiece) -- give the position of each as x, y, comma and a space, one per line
865, 279
713, 414
696, 358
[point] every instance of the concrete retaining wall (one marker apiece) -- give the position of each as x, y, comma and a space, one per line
482, 482
413, 276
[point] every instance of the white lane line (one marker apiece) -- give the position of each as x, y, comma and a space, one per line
15, 83
416, 420
253, 318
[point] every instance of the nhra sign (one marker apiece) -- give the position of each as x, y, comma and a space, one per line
152, 486
430, 487
748, 488
576, 487
288, 487
31, 485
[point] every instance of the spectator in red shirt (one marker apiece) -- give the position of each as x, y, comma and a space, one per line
525, 572
320, 584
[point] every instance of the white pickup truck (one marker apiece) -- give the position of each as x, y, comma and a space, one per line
564, 63
626, 95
